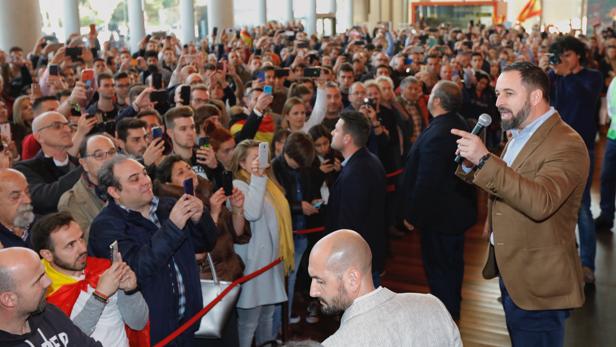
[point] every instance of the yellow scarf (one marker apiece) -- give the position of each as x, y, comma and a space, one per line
283, 215
57, 278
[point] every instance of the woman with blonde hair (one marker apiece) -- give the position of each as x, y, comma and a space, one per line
267, 210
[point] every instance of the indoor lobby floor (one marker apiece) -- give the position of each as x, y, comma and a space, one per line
482, 320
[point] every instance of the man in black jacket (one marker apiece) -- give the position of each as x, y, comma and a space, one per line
438, 203
25, 319
52, 171
357, 199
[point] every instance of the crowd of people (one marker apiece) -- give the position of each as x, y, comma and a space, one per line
122, 173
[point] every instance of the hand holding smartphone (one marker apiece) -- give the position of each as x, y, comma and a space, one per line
263, 155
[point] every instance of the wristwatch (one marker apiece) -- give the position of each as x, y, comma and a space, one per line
483, 160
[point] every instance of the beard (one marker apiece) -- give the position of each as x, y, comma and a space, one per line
24, 216
338, 304
41, 305
75, 266
517, 119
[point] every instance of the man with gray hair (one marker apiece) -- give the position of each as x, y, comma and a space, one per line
16, 209
440, 205
340, 266
52, 171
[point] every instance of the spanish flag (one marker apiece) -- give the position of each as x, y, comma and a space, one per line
531, 9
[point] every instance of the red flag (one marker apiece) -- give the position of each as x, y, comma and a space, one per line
531, 9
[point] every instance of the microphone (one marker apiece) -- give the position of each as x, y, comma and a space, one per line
483, 121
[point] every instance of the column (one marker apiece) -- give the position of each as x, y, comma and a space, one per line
20, 24
219, 14
398, 13
311, 18
136, 26
360, 11
331, 6
70, 19
290, 15
261, 12
347, 15
187, 21
375, 12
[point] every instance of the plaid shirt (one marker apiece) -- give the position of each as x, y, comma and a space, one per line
412, 109
152, 217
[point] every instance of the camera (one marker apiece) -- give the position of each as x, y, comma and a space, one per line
369, 102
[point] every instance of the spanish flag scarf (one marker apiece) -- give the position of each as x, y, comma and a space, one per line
64, 291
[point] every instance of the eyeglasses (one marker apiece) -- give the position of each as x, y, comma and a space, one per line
102, 155
55, 125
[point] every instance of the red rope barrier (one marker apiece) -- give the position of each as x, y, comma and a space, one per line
309, 231
394, 174
209, 306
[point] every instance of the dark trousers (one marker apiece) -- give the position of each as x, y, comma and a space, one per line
443, 259
533, 328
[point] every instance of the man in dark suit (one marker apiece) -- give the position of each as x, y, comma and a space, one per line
357, 199
535, 190
52, 171
437, 202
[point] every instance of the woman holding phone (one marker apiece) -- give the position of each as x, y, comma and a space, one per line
267, 210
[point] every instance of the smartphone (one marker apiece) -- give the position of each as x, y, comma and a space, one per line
281, 73
73, 52
157, 80
227, 182
159, 96
369, 102
312, 72
157, 132
5, 132
267, 90
188, 186
54, 70
185, 95
261, 76
35, 90
317, 204
263, 154
204, 142
302, 45
87, 77
114, 252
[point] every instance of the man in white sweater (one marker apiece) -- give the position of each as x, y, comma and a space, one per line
341, 272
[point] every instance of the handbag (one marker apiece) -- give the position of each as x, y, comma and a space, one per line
213, 323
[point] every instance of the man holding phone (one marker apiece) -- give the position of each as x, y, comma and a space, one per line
158, 238
92, 291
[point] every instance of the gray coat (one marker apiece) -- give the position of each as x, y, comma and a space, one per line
383, 318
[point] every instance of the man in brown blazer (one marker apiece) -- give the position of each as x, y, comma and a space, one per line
535, 192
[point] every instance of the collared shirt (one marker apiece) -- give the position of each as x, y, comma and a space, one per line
412, 109
152, 217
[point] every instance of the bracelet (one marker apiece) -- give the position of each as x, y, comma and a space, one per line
483, 160
100, 297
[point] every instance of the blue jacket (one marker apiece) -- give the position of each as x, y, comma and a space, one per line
149, 251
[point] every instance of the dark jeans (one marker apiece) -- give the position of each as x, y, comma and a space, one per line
443, 259
586, 224
533, 328
608, 181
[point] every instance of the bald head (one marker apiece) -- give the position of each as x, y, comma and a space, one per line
45, 119
342, 250
8, 178
13, 261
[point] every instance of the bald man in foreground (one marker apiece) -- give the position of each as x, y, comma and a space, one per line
341, 272
25, 319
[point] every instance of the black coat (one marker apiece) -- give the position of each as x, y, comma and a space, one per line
47, 182
434, 198
357, 202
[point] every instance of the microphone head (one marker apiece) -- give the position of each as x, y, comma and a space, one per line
484, 120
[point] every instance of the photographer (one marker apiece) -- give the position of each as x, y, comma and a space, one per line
575, 92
